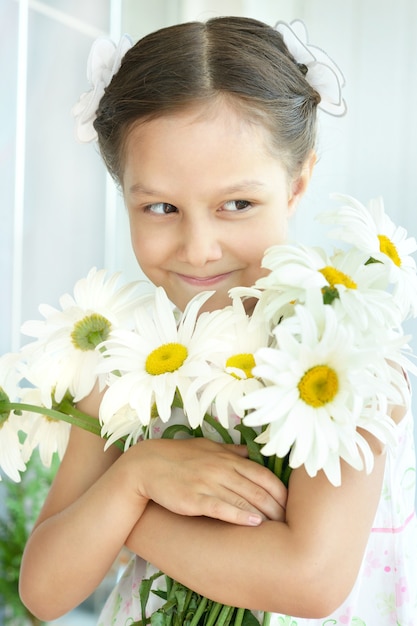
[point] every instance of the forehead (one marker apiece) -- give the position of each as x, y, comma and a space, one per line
213, 147
216, 123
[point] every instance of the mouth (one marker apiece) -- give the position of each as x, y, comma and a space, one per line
204, 281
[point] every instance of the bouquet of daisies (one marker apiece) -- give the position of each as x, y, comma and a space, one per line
320, 360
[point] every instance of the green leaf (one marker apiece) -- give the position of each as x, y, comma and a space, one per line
169, 606
248, 436
181, 597
372, 260
144, 591
158, 618
249, 619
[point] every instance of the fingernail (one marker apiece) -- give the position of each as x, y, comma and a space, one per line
254, 520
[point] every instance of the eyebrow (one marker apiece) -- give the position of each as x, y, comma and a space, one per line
138, 188
240, 186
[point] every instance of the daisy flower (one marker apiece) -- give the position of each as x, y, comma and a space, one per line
231, 373
317, 383
161, 356
371, 230
64, 355
47, 434
11, 458
345, 280
123, 425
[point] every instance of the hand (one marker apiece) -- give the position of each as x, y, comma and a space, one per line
198, 477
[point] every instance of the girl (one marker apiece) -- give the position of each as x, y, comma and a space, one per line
209, 128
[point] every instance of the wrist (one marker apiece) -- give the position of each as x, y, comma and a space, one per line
131, 470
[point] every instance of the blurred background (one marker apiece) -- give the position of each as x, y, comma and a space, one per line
60, 212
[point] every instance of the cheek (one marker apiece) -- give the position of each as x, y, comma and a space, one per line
145, 250
270, 234
135, 241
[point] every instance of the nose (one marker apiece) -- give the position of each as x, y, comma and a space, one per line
199, 241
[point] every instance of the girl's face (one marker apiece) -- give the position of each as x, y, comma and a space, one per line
205, 198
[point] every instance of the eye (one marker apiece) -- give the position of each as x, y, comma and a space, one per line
161, 208
237, 205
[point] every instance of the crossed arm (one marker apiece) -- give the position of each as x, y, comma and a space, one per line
204, 514
303, 566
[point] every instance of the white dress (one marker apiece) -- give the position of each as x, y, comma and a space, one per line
385, 592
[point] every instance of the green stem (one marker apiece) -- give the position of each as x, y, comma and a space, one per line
68, 413
219, 428
199, 612
180, 617
240, 613
215, 610
266, 619
286, 475
277, 469
86, 421
224, 615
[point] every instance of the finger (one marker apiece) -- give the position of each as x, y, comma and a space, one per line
250, 496
237, 448
255, 486
202, 496
261, 475
266, 480
227, 512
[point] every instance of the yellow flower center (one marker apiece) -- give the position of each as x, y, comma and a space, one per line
387, 247
318, 386
336, 277
166, 358
90, 331
244, 362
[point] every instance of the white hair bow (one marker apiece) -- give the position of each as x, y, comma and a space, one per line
323, 74
103, 62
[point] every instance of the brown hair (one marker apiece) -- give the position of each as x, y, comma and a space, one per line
239, 58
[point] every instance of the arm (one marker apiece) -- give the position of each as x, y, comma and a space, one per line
303, 567
98, 497
87, 515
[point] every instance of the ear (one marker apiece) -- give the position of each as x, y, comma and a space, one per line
300, 183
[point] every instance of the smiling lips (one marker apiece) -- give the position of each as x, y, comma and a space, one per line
204, 280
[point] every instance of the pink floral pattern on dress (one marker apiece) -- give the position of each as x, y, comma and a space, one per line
371, 562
